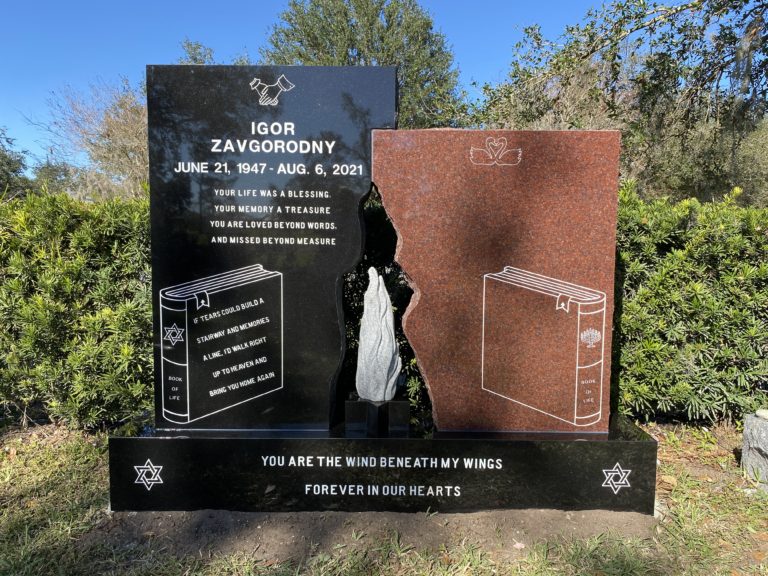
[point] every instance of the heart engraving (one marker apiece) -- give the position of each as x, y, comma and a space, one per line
496, 146
495, 152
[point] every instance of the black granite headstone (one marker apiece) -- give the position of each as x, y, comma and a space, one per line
257, 175
256, 179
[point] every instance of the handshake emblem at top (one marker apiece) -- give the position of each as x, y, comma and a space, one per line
269, 93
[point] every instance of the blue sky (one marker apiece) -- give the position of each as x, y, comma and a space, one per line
52, 45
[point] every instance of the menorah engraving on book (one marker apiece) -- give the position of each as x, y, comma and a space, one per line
221, 342
543, 344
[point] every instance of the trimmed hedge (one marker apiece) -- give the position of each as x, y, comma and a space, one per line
75, 309
694, 325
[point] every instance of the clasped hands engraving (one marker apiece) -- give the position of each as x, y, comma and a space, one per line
269, 93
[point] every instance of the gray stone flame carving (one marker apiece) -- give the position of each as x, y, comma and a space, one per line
378, 357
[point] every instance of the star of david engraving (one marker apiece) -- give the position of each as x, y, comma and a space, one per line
148, 475
174, 334
616, 478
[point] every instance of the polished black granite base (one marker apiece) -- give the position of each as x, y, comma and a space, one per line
449, 473
368, 419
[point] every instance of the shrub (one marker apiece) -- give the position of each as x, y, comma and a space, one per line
75, 309
694, 329
75, 306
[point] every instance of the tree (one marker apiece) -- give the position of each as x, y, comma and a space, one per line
374, 33
686, 83
198, 53
108, 127
54, 177
99, 139
195, 53
12, 166
752, 164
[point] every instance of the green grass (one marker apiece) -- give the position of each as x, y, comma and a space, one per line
51, 492
54, 520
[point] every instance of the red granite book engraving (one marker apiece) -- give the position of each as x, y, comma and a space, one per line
541, 334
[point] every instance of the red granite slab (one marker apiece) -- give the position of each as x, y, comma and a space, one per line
508, 240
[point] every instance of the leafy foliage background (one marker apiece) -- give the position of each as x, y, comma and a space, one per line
75, 309
694, 323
